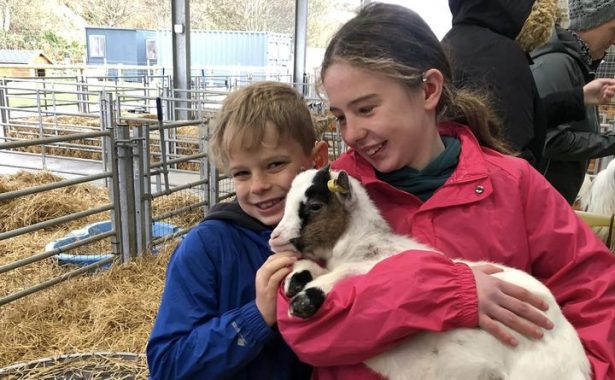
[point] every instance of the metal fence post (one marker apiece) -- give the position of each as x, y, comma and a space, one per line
4, 118
110, 164
140, 189
212, 172
147, 186
204, 162
127, 192
41, 128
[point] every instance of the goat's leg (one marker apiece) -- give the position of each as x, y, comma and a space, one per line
303, 272
307, 302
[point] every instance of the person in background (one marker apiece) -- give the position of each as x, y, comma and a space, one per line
427, 155
217, 315
569, 60
489, 47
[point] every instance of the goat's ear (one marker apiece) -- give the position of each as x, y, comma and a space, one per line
344, 182
325, 169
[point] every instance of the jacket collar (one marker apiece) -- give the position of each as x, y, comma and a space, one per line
232, 212
469, 182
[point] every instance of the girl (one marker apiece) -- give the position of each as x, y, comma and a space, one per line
431, 159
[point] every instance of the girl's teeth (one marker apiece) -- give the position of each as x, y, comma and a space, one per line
374, 150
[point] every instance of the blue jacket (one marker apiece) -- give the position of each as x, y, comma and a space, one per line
208, 326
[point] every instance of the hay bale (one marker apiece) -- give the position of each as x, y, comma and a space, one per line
92, 122
29, 129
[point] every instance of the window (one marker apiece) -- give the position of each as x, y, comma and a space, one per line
97, 46
152, 53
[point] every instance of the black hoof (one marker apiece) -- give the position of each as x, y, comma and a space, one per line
307, 303
297, 282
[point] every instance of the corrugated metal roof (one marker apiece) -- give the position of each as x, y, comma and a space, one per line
20, 56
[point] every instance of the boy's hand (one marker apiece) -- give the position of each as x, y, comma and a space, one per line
268, 279
500, 302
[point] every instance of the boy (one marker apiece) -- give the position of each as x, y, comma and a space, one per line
217, 315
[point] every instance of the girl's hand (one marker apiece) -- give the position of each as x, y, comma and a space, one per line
268, 278
502, 303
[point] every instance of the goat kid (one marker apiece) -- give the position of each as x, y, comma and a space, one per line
600, 198
334, 221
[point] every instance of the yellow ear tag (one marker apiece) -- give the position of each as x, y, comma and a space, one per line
334, 187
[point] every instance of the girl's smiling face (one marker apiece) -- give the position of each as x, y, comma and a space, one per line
388, 124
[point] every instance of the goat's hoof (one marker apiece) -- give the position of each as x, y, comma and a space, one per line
307, 303
297, 282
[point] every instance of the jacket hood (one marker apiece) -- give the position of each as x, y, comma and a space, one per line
539, 25
232, 212
561, 41
504, 17
564, 42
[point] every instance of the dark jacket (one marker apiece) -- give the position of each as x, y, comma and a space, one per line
559, 65
485, 56
208, 326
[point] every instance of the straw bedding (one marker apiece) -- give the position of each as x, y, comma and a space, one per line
108, 311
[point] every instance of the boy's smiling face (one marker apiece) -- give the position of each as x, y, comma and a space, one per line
262, 177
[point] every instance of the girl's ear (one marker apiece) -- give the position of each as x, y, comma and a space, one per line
433, 83
320, 154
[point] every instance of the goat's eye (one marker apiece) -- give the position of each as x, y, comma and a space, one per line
314, 207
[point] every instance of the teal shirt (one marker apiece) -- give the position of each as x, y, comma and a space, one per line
423, 183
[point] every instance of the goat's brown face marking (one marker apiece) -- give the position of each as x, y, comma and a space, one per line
324, 219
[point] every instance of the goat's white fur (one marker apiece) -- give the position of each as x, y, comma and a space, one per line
558, 355
600, 198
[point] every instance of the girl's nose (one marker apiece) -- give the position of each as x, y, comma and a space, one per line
353, 133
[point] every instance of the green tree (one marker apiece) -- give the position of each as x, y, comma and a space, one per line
35, 27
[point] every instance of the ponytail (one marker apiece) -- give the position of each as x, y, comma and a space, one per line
469, 108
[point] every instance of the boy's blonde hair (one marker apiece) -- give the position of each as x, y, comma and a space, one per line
248, 112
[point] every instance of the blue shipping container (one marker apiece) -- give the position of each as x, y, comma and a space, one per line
211, 50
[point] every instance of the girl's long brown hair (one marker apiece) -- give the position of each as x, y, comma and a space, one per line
397, 42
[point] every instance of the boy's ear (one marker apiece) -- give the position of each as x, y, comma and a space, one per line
320, 154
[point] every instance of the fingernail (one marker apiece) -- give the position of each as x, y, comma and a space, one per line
550, 325
512, 341
538, 333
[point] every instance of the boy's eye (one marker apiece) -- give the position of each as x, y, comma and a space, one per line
240, 174
276, 164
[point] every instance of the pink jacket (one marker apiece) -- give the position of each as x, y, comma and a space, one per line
493, 207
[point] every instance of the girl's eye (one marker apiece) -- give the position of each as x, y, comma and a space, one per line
340, 119
366, 110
